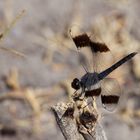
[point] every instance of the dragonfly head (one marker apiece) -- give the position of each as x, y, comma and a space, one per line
76, 84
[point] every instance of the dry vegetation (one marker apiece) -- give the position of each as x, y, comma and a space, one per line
38, 62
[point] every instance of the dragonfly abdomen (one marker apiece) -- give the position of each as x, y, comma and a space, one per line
106, 72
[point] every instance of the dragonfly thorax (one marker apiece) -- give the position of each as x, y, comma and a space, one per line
89, 79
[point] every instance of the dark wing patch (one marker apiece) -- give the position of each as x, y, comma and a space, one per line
110, 94
94, 92
98, 47
81, 40
110, 99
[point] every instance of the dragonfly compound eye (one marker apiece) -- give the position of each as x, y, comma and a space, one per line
75, 84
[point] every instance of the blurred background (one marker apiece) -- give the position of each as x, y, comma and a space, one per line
38, 61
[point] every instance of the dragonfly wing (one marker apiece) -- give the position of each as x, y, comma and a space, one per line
98, 54
111, 93
101, 53
102, 61
81, 40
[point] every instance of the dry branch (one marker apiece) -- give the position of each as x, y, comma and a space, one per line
69, 127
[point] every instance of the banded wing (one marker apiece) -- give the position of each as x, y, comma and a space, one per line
98, 54
110, 94
110, 87
99, 57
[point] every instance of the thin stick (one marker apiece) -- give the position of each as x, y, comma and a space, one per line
69, 127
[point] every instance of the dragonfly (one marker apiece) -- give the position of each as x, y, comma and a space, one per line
95, 82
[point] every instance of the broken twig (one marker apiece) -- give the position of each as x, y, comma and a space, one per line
70, 128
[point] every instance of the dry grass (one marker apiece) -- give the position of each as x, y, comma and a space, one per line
50, 59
